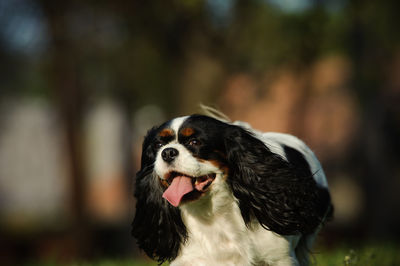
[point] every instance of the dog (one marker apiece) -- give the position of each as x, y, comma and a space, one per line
214, 192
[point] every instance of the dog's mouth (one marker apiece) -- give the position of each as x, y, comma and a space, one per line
181, 186
200, 183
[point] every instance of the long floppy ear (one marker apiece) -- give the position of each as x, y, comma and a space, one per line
157, 225
282, 196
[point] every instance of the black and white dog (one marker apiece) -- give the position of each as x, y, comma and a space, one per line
211, 192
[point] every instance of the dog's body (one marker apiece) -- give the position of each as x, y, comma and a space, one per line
211, 192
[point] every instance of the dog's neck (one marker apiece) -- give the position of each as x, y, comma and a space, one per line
216, 228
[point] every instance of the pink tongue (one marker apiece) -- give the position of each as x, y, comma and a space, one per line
180, 186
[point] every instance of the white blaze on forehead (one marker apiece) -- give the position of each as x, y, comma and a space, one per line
176, 123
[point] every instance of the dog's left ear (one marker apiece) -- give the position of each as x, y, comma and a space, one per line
157, 225
281, 196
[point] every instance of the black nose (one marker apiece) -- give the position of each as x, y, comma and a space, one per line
169, 154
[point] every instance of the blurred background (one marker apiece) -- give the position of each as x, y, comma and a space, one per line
82, 81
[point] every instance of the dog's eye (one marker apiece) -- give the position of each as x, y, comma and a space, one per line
194, 142
158, 145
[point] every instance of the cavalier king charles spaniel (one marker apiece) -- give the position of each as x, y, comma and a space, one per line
213, 192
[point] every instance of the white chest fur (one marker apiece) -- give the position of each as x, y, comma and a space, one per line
219, 236
218, 240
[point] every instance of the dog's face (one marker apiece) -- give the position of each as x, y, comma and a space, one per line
188, 155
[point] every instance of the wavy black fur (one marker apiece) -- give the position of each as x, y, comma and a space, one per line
157, 225
282, 195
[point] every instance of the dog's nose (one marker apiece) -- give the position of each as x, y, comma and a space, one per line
169, 154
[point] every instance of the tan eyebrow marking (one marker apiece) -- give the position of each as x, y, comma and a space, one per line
166, 133
187, 131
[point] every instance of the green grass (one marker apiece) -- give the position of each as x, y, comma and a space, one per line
367, 255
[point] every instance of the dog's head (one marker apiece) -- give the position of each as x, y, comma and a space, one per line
188, 154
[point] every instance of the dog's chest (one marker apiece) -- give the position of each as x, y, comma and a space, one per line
220, 240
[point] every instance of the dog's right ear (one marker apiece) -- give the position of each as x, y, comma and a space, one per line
157, 225
283, 198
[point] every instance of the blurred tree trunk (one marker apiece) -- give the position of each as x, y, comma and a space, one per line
69, 98
371, 56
